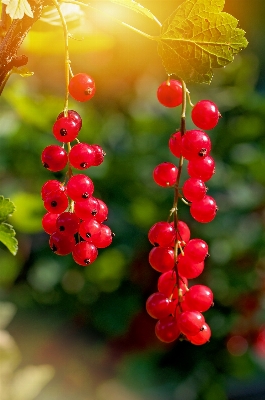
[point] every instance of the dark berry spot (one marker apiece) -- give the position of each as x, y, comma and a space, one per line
207, 255
88, 91
45, 165
87, 261
83, 165
54, 248
103, 153
202, 152
94, 212
62, 228
113, 234
63, 132
53, 203
156, 244
88, 235
202, 328
85, 195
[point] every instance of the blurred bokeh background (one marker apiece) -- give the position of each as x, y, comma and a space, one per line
84, 331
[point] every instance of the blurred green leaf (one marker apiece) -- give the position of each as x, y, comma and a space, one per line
29, 212
7, 237
133, 5
7, 312
7, 208
198, 37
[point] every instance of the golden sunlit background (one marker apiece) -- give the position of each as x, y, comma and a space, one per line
83, 333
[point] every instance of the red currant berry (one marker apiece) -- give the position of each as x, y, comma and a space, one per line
204, 210
56, 202
65, 129
88, 229
61, 244
54, 158
84, 253
80, 187
175, 143
102, 214
197, 250
159, 306
167, 329
99, 154
165, 174
202, 337
188, 268
199, 298
67, 223
87, 209
195, 144
167, 284
190, 322
82, 87
194, 189
169, 93
104, 239
205, 114
202, 168
73, 115
82, 156
162, 234
49, 222
183, 232
162, 258
51, 186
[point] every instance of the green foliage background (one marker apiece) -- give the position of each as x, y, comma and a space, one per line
90, 324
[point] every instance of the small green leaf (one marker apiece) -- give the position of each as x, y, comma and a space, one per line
6, 208
133, 5
7, 237
197, 37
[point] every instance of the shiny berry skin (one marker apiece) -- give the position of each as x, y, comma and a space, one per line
82, 87
196, 249
202, 168
104, 238
194, 189
167, 284
162, 258
87, 209
99, 154
102, 214
188, 268
175, 144
84, 253
80, 187
167, 329
202, 337
73, 115
162, 234
65, 129
205, 114
54, 158
169, 94
49, 222
88, 229
183, 232
199, 298
190, 322
51, 186
67, 223
61, 244
56, 202
195, 144
165, 174
159, 306
82, 156
204, 210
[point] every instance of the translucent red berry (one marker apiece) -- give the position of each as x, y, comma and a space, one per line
159, 306
194, 189
162, 258
162, 234
202, 168
67, 223
195, 144
82, 87
204, 210
167, 329
65, 129
167, 284
99, 154
87, 209
61, 244
51, 186
80, 187
73, 115
88, 229
196, 249
103, 211
202, 337
82, 156
190, 322
84, 253
104, 238
199, 298
54, 158
165, 174
175, 143
205, 114
188, 268
49, 222
56, 202
169, 93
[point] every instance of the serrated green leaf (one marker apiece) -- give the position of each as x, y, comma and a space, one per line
6, 208
133, 5
198, 37
7, 237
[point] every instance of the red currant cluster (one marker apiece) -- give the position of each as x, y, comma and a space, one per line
74, 218
177, 307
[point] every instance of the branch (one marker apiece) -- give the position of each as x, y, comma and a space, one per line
13, 39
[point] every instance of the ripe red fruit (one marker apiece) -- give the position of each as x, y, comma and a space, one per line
74, 115
167, 329
195, 144
82, 87
190, 322
202, 337
104, 238
204, 210
159, 306
188, 268
99, 154
205, 114
84, 253
165, 174
162, 258
169, 93
51, 186
67, 223
82, 156
88, 229
61, 244
167, 284
49, 222
201, 168
196, 249
175, 143
56, 202
80, 187
199, 298
162, 234
65, 129
194, 189
87, 209
54, 158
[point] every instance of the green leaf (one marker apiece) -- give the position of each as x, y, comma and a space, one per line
136, 7
6, 208
197, 37
7, 237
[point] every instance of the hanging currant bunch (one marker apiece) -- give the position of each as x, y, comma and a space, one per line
74, 218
